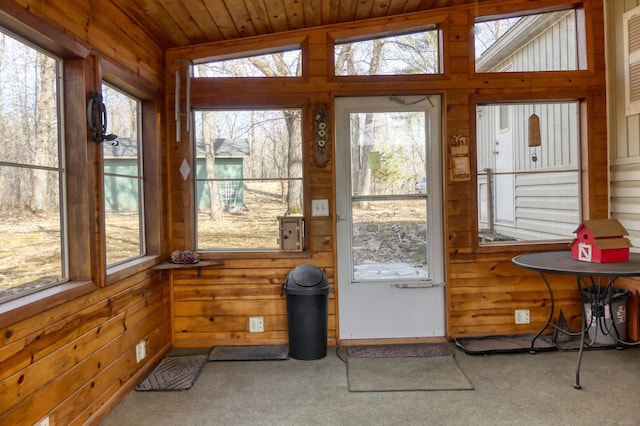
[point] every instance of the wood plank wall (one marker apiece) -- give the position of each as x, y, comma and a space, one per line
483, 287
75, 361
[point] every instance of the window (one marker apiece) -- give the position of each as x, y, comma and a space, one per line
631, 38
542, 42
33, 253
123, 178
414, 53
528, 193
248, 173
278, 64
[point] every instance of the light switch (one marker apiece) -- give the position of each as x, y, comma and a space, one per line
319, 207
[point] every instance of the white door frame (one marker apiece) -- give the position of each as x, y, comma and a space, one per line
397, 308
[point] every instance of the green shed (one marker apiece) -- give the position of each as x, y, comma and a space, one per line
229, 163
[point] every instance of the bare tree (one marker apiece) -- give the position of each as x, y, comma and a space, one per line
210, 165
362, 133
44, 146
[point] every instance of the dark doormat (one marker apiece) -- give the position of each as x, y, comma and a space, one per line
395, 351
250, 353
174, 373
504, 344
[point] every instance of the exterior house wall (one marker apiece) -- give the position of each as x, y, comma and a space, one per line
624, 131
624, 146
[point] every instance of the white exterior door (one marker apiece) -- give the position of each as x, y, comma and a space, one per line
389, 207
504, 183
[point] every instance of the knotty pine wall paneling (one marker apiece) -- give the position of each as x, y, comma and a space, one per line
73, 362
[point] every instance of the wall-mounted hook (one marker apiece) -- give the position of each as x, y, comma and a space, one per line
97, 119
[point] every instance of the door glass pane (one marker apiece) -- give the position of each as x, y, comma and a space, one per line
389, 196
389, 240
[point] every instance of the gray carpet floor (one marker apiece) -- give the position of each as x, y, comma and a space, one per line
522, 389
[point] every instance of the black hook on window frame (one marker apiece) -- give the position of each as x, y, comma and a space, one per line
97, 119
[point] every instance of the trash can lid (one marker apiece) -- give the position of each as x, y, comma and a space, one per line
306, 279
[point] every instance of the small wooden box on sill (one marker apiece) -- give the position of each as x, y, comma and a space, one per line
601, 241
291, 233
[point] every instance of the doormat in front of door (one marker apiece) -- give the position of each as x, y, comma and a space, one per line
395, 351
174, 373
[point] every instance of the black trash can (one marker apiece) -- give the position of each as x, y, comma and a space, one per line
307, 290
606, 314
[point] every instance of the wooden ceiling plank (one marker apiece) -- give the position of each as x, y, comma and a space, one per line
364, 9
396, 7
186, 23
411, 6
220, 14
380, 8
259, 16
330, 12
137, 14
154, 15
347, 11
277, 15
241, 17
295, 14
313, 12
203, 20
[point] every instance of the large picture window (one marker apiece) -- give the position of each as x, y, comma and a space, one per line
528, 193
248, 173
32, 173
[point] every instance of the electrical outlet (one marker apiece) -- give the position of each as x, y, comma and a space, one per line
141, 350
319, 207
256, 325
523, 316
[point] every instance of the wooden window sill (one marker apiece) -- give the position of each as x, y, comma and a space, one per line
15, 310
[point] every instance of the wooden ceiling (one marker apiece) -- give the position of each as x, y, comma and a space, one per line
184, 22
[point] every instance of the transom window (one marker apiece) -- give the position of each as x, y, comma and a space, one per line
248, 174
540, 42
413, 53
286, 63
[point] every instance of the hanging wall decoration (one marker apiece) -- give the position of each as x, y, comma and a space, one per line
321, 135
459, 160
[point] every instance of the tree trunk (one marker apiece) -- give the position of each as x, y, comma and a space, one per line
46, 143
210, 166
294, 169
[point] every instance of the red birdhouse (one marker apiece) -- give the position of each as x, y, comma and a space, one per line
601, 241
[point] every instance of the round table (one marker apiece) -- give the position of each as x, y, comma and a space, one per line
597, 276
